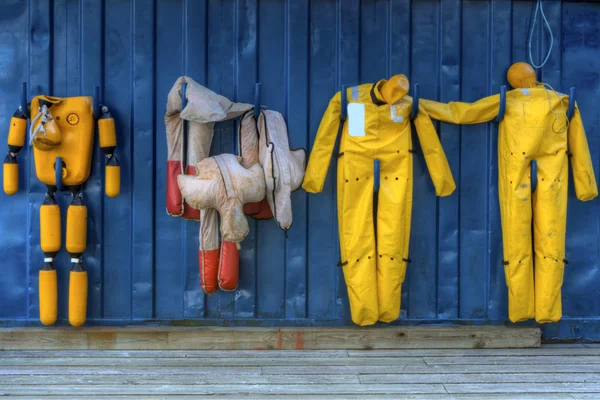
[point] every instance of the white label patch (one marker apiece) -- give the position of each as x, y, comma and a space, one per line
525, 92
356, 119
395, 118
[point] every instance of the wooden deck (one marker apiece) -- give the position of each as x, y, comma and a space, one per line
547, 372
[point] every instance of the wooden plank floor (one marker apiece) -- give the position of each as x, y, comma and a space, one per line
548, 372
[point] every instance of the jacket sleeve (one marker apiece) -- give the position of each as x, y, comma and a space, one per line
482, 110
581, 161
437, 164
318, 163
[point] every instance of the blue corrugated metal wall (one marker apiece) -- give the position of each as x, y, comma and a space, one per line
143, 264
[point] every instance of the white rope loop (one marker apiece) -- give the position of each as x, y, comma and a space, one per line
46, 116
539, 8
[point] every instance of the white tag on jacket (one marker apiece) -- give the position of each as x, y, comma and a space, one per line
525, 92
356, 119
395, 118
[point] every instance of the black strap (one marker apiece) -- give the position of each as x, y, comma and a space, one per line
344, 104
374, 98
341, 264
407, 260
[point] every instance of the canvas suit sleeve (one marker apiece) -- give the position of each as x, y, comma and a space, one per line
455, 112
318, 164
581, 161
436, 160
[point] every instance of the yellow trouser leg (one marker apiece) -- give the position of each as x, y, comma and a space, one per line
550, 220
50, 244
357, 238
341, 184
393, 233
514, 182
76, 241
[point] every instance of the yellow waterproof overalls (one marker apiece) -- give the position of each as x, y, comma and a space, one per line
374, 267
533, 128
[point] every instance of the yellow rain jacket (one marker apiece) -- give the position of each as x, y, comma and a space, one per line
374, 266
534, 128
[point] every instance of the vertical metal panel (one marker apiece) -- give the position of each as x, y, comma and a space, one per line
15, 244
322, 225
40, 80
270, 273
118, 212
143, 264
423, 235
449, 217
475, 164
142, 175
92, 75
500, 58
581, 68
297, 42
195, 53
169, 261
247, 44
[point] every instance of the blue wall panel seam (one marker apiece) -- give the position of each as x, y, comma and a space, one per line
154, 161
488, 131
132, 46
28, 169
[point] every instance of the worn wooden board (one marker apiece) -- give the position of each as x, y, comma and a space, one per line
115, 369
222, 379
524, 388
477, 378
521, 360
438, 369
177, 379
207, 362
478, 396
212, 338
538, 351
220, 389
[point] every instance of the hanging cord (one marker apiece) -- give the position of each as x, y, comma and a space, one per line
46, 116
540, 8
557, 115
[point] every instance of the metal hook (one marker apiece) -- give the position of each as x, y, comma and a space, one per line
415, 105
24, 106
502, 106
344, 104
256, 100
96, 99
571, 109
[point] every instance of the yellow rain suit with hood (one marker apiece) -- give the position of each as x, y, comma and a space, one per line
532, 129
375, 266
